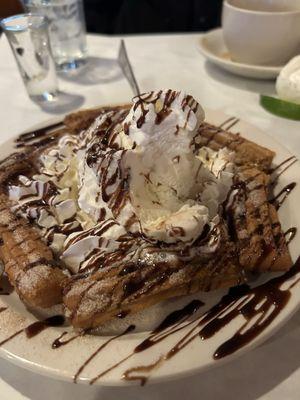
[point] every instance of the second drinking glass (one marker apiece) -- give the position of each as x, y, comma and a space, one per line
66, 29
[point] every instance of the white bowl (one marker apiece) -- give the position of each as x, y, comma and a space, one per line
262, 32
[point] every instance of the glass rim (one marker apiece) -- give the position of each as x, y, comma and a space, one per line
20, 27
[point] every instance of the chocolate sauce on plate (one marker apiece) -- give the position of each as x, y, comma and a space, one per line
259, 306
171, 321
279, 199
289, 162
223, 124
284, 162
36, 327
59, 342
100, 348
290, 234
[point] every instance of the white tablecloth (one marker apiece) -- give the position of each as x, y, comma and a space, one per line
162, 61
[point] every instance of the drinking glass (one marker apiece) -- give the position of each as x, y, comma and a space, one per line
66, 29
28, 37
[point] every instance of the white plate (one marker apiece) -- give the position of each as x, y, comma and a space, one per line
37, 355
212, 46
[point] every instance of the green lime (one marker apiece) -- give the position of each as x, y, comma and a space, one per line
281, 108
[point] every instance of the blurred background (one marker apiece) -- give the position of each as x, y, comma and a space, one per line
141, 16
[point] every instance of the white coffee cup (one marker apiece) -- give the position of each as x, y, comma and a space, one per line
262, 32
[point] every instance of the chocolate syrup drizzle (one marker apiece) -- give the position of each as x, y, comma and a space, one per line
289, 162
290, 234
100, 348
162, 114
173, 320
232, 121
57, 343
37, 327
279, 199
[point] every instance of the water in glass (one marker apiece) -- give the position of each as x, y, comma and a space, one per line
66, 28
29, 41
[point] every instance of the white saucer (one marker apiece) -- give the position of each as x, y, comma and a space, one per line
211, 45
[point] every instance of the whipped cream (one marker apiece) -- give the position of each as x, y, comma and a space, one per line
132, 178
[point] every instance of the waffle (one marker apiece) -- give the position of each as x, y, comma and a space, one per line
132, 287
250, 240
29, 263
246, 152
80, 120
254, 224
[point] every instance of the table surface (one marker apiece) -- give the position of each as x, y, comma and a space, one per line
271, 371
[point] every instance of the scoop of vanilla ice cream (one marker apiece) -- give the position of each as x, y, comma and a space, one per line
288, 81
173, 191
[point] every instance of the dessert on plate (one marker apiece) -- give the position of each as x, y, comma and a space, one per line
119, 208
